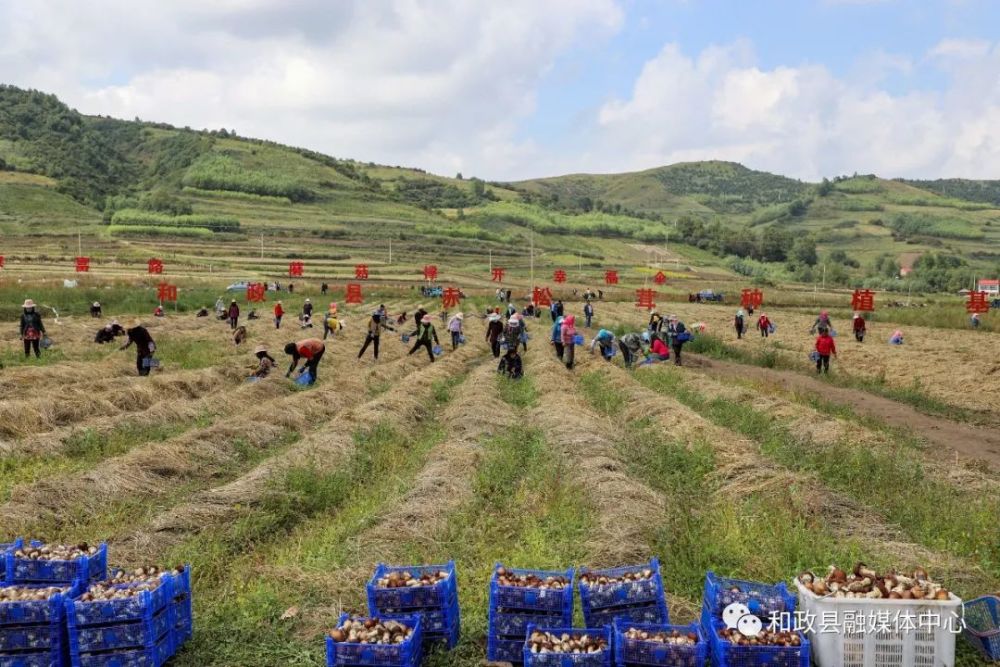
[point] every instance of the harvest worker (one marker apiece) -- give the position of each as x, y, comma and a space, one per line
310, 349
515, 332
418, 316
234, 315
606, 340
678, 336
239, 335
740, 323
278, 313
375, 326
655, 321
144, 347
588, 312
974, 320
265, 362
455, 328
860, 327
323, 288
109, 332
425, 333
331, 323
511, 365
307, 308
764, 325
95, 309
825, 346
220, 308
202, 312
822, 321
568, 334
632, 345
494, 329
32, 328
556, 337
659, 349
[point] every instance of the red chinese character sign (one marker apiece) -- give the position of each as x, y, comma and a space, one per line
353, 293
977, 303
295, 269
430, 272
155, 266
82, 264
450, 298
610, 277
3, 260
361, 271
165, 292
751, 298
255, 292
541, 296
559, 276
863, 300
498, 274
660, 278
644, 298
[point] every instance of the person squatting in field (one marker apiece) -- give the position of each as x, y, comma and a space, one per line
425, 334
144, 347
825, 346
511, 364
309, 349
455, 329
265, 362
494, 331
860, 327
32, 328
109, 332
331, 322
374, 333
632, 346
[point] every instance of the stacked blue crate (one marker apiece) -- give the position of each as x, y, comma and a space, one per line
602, 658
436, 604
128, 632
53, 572
514, 608
33, 632
638, 652
407, 654
183, 619
640, 601
772, 603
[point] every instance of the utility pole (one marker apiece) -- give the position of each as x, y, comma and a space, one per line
262, 245
491, 260
79, 243
824, 277
390, 251
532, 252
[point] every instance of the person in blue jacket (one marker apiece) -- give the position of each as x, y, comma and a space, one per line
556, 337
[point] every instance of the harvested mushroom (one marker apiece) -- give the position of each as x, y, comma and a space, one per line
550, 642
371, 631
29, 593
142, 574
865, 582
764, 638
107, 590
404, 579
672, 637
55, 552
597, 579
506, 577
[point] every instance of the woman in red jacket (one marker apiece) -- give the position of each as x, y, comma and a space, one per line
825, 346
764, 324
860, 327
278, 312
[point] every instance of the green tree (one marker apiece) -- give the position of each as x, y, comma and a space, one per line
824, 188
458, 176
774, 244
804, 251
478, 188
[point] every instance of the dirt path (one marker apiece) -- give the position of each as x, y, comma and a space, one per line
947, 437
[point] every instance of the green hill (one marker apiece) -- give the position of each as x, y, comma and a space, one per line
133, 186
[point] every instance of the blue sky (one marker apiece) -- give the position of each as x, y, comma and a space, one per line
526, 88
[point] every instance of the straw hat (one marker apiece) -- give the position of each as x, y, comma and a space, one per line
459, 316
28, 303
259, 349
97, 304
427, 319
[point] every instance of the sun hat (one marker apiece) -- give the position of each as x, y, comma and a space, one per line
259, 349
459, 316
856, 316
427, 319
97, 304
308, 301
28, 303
333, 305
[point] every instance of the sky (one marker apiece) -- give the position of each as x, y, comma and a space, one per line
528, 88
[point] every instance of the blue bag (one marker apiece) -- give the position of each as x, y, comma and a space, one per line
304, 378
405, 338
578, 339
814, 356
437, 351
684, 337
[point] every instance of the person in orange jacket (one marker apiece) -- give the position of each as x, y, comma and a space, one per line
825, 346
278, 313
310, 349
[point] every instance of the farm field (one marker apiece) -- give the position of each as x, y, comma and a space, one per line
284, 499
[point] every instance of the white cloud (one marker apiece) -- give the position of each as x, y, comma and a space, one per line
803, 120
438, 84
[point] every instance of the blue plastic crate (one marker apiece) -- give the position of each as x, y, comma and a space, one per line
648, 613
152, 656
34, 612
53, 657
982, 625
763, 600
726, 654
134, 634
618, 594
143, 606
505, 649
602, 659
514, 623
26, 570
407, 654
31, 637
183, 620
418, 597
640, 652
528, 599
448, 636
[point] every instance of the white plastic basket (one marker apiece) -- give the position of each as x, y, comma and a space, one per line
850, 632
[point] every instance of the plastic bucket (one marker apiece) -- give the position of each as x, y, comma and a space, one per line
304, 379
